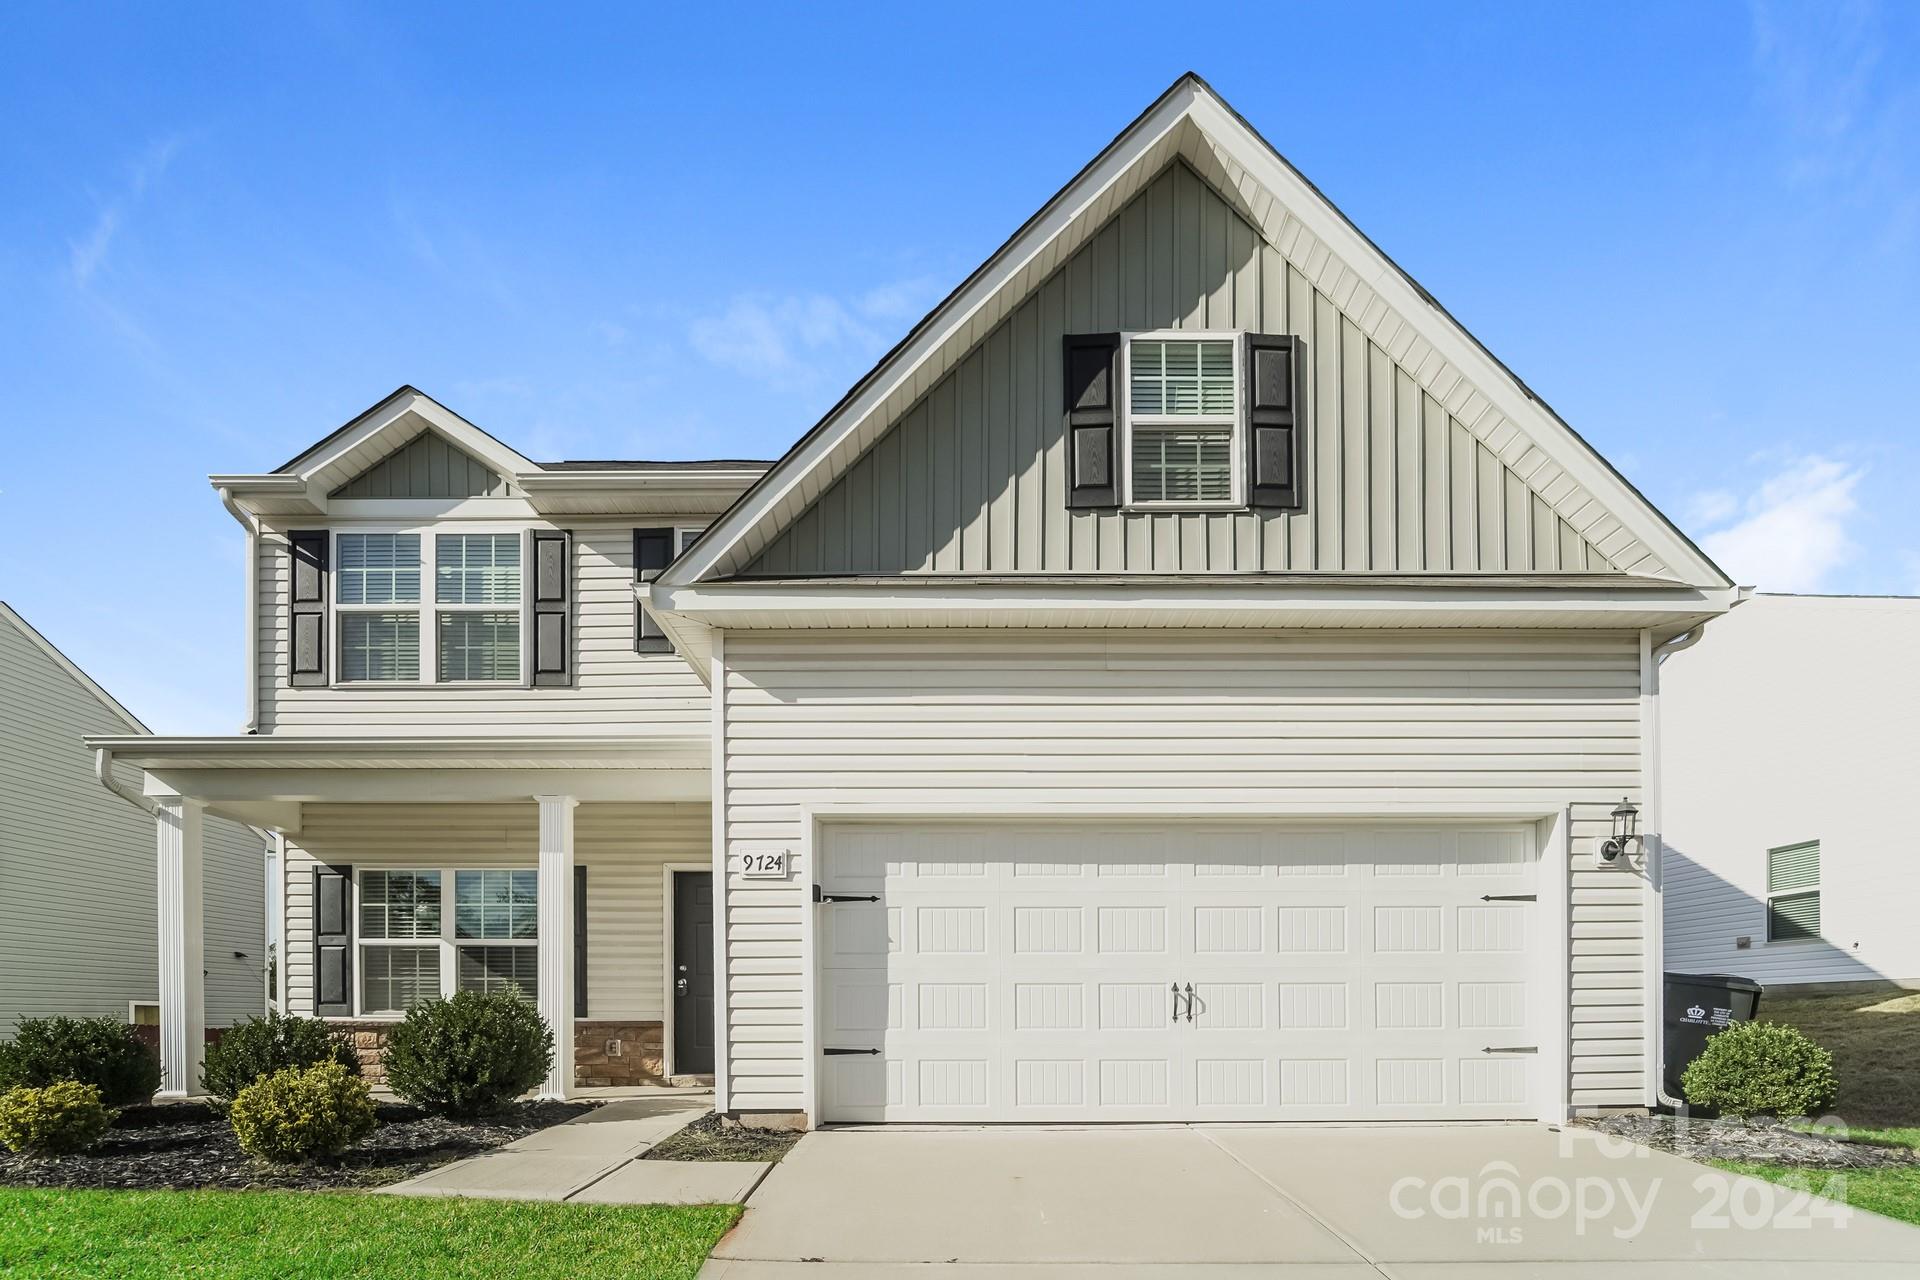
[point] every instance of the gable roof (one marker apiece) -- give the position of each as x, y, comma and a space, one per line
1191, 123
71, 668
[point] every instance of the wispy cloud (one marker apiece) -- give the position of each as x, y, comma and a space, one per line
1792, 532
88, 254
796, 342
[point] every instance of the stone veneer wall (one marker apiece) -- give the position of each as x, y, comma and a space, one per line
639, 1061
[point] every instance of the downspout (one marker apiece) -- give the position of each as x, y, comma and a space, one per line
252, 624
1651, 656
103, 770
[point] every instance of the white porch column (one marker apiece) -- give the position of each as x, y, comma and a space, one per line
556, 937
183, 986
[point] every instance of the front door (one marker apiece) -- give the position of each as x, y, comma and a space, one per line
693, 973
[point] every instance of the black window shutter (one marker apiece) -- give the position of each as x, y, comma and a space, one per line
652, 552
1275, 425
333, 942
552, 610
307, 555
1092, 382
579, 941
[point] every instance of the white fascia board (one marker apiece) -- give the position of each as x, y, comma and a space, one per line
670, 479
951, 318
397, 752
1219, 122
1224, 603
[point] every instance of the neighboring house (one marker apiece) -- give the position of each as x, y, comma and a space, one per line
77, 904
1187, 678
1788, 740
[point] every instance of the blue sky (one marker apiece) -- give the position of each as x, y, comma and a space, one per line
682, 231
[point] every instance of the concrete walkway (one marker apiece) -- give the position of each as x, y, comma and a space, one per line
1302, 1202
595, 1159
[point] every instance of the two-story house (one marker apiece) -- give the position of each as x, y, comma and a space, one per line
1188, 677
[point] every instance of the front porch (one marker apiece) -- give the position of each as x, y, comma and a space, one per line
576, 873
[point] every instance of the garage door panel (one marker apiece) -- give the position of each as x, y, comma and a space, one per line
1042, 974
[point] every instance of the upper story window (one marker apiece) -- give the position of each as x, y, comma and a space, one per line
465, 629
1183, 421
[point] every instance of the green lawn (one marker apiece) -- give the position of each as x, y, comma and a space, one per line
1875, 1040
295, 1235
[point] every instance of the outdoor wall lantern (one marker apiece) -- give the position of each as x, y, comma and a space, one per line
1625, 840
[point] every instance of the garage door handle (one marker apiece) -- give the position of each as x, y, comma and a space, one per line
1176, 1002
1189, 1002
1509, 897
1522, 1048
843, 1053
843, 897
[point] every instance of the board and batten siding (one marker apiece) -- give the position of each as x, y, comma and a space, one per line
613, 689
623, 846
971, 479
79, 933
1182, 720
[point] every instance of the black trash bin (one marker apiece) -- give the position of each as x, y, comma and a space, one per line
1697, 1005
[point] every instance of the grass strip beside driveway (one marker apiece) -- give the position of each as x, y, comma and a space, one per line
1893, 1192
325, 1236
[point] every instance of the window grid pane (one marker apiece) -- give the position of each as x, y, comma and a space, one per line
496, 904
477, 568
379, 646
1184, 464
399, 904
379, 568
1794, 866
1180, 379
498, 969
479, 646
395, 979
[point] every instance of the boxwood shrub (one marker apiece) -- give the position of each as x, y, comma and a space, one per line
1760, 1069
55, 1121
103, 1052
259, 1047
303, 1113
469, 1055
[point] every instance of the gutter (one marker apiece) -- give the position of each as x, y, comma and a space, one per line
252, 625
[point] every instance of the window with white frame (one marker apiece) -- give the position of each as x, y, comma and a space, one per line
1793, 892
412, 949
461, 625
1183, 420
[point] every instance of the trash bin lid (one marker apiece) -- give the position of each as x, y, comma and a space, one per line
1732, 981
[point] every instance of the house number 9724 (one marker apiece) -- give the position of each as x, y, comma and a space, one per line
767, 865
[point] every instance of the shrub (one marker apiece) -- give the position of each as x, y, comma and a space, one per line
1761, 1068
259, 1047
302, 1113
102, 1052
55, 1121
469, 1055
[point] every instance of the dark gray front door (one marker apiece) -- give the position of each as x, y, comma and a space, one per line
693, 973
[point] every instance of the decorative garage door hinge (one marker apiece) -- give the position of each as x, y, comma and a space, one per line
1518, 1048
1509, 897
842, 1053
843, 897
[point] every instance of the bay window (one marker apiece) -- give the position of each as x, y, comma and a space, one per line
412, 949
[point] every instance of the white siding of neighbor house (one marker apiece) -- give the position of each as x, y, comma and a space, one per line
972, 478
1180, 719
614, 688
79, 934
1792, 720
623, 846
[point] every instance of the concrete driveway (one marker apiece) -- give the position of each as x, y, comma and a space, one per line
1305, 1203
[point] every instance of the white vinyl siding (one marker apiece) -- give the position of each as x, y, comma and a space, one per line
624, 848
1429, 722
77, 917
614, 687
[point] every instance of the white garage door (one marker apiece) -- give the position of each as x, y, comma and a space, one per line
1043, 974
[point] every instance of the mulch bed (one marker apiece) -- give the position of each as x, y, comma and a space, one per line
1762, 1141
186, 1145
712, 1138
